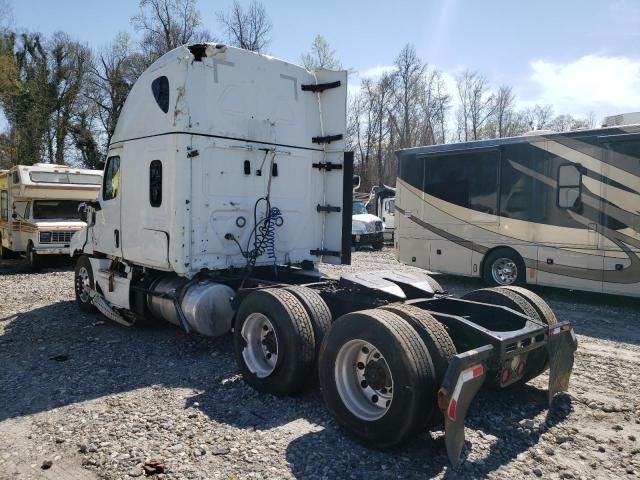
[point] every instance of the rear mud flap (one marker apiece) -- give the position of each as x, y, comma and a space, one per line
561, 346
465, 375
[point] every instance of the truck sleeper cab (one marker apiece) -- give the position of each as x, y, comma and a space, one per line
226, 184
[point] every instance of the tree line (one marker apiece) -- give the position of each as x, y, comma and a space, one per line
62, 99
412, 104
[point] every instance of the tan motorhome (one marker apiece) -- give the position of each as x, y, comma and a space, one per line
39, 208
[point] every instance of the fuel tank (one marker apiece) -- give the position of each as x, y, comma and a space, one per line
206, 304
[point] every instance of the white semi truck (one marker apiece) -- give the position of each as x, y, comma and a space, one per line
227, 182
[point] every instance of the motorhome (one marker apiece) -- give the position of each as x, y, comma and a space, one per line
554, 209
39, 208
226, 184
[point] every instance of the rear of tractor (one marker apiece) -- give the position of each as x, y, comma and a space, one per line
401, 355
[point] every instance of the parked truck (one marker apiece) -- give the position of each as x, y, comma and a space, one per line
226, 184
39, 208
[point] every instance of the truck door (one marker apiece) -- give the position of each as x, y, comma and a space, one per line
107, 228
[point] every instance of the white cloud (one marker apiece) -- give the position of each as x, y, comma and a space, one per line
593, 83
376, 71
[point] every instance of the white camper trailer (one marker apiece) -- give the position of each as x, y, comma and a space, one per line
226, 183
39, 208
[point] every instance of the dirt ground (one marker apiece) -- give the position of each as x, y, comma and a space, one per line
97, 400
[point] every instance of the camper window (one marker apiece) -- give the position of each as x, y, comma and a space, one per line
4, 205
111, 178
15, 178
155, 183
569, 187
160, 90
469, 180
55, 209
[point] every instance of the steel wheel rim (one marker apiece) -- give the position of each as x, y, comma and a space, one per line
504, 271
260, 353
367, 400
83, 284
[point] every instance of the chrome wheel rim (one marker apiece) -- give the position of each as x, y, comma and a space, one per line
260, 353
504, 271
83, 284
363, 380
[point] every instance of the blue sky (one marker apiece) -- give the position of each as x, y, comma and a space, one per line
580, 55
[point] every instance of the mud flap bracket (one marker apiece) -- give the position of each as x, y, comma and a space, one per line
561, 346
464, 377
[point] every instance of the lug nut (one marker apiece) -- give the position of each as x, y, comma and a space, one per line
374, 398
360, 366
363, 384
365, 350
383, 390
268, 356
265, 328
376, 355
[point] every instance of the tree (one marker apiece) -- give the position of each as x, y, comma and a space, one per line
538, 117
167, 24
114, 70
408, 77
248, 29
320, 56
476, 104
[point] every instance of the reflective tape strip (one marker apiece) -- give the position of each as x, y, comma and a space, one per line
466, 375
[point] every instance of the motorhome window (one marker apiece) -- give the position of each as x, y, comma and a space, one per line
65, 177
155, 183
411, 170
626, 155
55, 209
15, 177
469, 180
85, 179
4, 205
111, 181
21, 208
160, 89
569, 187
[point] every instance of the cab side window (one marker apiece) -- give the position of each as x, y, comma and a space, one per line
111, 180
155, 183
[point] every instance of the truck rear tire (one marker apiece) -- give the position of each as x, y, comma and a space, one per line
507, 297
274, 342
317, 309
436, 339
504, 267
376, 377
33, 259
546, 315
83, 279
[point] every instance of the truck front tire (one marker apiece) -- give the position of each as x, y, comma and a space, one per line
377, 378
274, 342
83, 279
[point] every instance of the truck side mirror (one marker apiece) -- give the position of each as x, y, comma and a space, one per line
14, 215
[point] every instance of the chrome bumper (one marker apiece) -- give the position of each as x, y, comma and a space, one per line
52, 250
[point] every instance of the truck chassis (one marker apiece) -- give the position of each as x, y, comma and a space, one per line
393, 352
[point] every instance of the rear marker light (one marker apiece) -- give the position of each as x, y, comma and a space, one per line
520, 370
504, 378
452, 409
477, 371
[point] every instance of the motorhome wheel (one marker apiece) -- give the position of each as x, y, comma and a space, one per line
503, 267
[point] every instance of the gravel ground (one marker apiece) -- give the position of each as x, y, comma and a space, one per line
83, 398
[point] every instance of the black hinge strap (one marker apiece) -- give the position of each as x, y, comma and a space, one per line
329, 166
320, 87
326, 253
327, 138
327, 208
